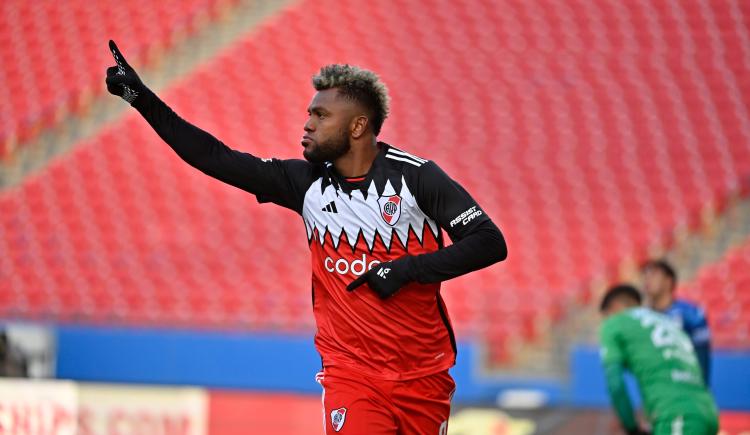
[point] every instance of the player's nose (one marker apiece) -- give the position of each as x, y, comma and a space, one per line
309, 126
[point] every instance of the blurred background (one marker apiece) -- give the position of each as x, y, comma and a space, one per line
144, 297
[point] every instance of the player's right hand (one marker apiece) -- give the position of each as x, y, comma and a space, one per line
121, 79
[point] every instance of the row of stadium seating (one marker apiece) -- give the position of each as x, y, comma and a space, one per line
723, 288
588, 130
53, 52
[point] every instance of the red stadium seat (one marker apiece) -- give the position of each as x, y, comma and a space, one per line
588, 130
55, 52
723, 288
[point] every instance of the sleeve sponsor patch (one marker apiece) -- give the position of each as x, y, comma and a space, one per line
467, 216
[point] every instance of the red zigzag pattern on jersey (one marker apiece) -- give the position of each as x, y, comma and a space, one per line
429, 242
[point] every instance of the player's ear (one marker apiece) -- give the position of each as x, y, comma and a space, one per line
358, 126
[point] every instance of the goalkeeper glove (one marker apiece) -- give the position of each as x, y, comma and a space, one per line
122, 79
387, 278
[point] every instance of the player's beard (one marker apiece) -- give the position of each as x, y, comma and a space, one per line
329, 150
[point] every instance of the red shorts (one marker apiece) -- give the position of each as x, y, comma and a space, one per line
354, 404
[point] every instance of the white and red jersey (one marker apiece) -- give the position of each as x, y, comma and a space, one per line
397, 209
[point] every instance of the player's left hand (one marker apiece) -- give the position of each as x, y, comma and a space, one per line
122, 80
385, 279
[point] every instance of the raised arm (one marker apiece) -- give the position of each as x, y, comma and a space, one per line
278, 181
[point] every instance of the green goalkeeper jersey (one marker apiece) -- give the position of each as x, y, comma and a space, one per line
661, 357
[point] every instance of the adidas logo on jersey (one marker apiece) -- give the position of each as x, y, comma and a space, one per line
330, 207
372, 215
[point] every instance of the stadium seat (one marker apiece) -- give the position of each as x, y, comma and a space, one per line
588, 143
722, 288
54, 53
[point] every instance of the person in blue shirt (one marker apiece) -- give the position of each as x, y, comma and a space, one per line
659, 282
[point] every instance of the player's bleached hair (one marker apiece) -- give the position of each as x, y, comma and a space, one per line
359, 85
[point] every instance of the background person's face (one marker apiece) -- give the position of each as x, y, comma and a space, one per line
656, 283
326, 135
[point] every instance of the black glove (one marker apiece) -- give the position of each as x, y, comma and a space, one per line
122, 79
638, 431
387, 278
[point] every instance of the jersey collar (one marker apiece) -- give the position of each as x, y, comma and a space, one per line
341, 183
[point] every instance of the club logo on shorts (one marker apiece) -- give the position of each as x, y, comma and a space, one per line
338, 417
390, 208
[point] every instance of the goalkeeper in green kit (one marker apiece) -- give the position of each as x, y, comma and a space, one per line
661, 357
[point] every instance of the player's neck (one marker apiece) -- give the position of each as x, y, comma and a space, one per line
358, 160
662, 302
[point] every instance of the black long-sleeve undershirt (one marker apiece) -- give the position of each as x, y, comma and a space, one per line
481, 248
479, 245
199, 148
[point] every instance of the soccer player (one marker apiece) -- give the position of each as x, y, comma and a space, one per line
659, 282
660, 356
374, 216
